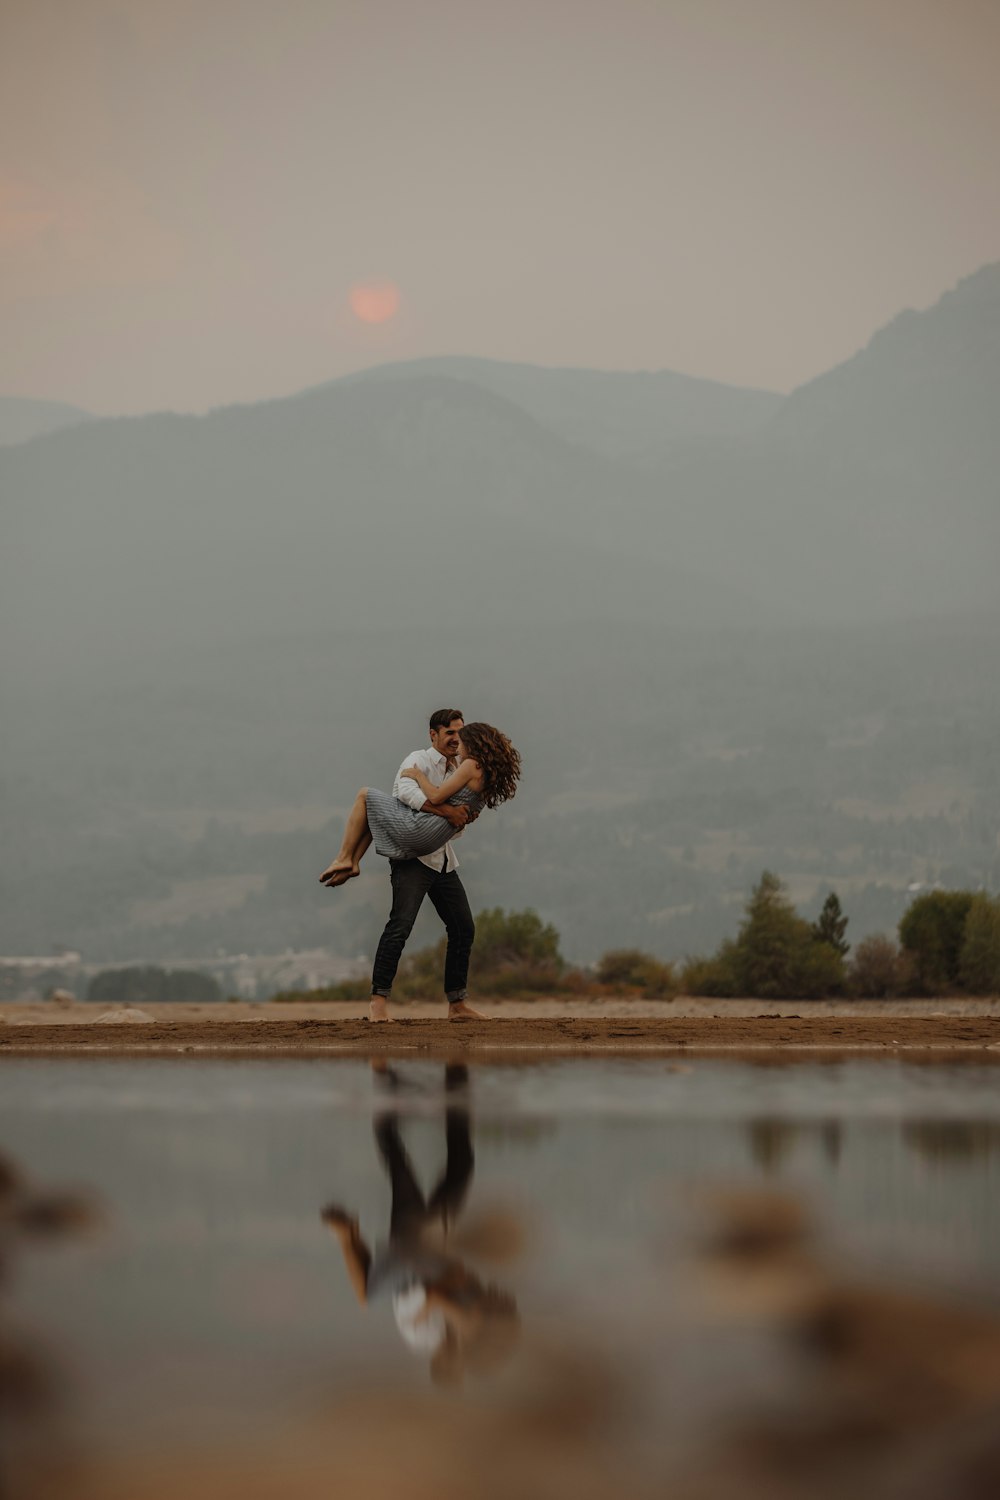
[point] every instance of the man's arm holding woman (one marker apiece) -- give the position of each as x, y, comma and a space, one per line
436, 796
408, 791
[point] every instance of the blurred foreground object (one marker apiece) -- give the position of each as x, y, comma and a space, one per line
29, 1386
894, 1392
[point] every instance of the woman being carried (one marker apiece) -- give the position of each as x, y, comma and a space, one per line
486, 776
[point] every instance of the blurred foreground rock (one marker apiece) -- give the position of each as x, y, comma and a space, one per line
894, 1391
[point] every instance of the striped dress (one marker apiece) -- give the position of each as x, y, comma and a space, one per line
400, 832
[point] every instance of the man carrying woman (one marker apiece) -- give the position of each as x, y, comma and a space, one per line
437, 791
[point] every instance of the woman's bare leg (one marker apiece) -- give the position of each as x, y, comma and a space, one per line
357, 838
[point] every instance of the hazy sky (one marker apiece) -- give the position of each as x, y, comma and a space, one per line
740, 189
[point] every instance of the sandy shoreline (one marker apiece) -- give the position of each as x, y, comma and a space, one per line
541, 1029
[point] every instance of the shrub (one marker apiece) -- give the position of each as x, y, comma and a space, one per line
420, 974
880, 970
520, 979
343, 990
714, 977
630, 968
514, 953
575, 982
979, 958
817, 971
932, 930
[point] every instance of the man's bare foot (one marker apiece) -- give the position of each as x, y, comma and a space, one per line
378, 1009
459, 1011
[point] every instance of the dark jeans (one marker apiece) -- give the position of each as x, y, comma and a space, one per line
411, 882
411, 1211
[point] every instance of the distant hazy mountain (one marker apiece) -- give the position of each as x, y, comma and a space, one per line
358, 502
374, 499
876, 485
621, 414
250, 610
21, 418
921, 401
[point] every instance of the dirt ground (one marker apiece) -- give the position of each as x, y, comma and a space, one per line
548, 1027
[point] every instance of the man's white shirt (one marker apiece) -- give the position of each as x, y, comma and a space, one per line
435, 767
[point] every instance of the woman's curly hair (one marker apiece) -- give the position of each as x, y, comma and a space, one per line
497, 759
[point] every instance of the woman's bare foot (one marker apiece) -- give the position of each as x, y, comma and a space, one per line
459, 1011
339, 1220
378, 1009
338, 872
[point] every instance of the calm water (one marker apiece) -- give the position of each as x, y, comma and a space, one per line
214, 1300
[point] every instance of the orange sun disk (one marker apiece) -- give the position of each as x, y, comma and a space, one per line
374, 301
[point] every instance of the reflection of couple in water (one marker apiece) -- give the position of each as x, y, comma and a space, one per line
441, 1308
437, 791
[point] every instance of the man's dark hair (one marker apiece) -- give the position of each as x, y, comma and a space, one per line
442, 717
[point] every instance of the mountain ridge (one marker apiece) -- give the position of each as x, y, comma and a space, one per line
22, 418
272, 515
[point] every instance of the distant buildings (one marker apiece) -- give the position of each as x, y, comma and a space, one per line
252, 976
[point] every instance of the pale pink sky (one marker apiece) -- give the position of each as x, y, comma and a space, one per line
739, 189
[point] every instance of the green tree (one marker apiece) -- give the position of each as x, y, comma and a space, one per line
831, 925
777, 955
932, 930
512, 939
979, 958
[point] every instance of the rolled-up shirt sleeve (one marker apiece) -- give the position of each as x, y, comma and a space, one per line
406, 790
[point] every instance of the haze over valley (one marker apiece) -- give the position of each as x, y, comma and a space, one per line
727, 629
